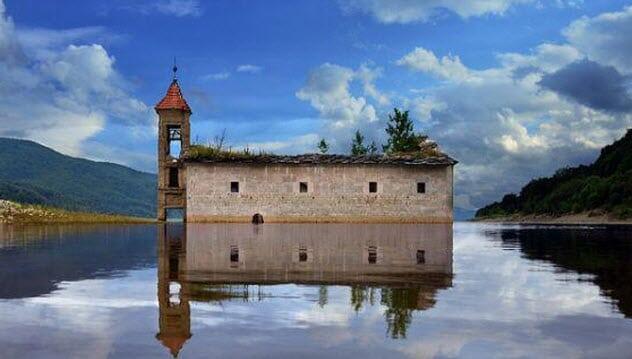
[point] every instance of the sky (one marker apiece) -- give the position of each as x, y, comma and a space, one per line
513, 89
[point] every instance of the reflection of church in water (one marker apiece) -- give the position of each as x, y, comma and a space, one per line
400, 267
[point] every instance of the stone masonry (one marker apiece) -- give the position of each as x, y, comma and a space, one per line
335, 193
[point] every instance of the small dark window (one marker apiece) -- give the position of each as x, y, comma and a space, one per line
173, 177
421, 257
372, 254
302, 187
302, 254
234, 254
372, 187
421, 187
234, 187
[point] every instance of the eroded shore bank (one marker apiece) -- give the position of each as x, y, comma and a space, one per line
15, 213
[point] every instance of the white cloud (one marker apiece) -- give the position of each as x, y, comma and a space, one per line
506, 129
217, 76
249, 68
327, 90
547, 57
57, 93
179, 8
604, 38
367, 76
407, 11
299, 144
448, 67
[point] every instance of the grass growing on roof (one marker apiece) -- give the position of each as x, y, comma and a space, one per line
199, 151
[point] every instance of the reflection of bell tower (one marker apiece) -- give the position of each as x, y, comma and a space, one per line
175, 313
174, 132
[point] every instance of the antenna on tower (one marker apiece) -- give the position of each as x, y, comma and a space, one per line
175, 68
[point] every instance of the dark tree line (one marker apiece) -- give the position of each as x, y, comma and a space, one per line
604, 185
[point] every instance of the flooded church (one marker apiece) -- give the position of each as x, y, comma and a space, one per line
299, 188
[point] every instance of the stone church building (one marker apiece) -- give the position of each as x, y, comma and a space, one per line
299, 188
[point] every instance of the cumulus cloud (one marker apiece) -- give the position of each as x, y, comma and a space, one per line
407, 11
507, 129
591, 84
448, 67
57, 93
367, 75
545, 57
604, 38
328, 90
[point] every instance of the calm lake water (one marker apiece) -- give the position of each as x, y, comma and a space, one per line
346, 291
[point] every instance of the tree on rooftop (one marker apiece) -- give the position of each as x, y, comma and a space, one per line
323, 146
357, 145
372, 148
401, 135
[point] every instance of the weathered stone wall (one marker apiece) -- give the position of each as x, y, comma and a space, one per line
336, 193
170, 197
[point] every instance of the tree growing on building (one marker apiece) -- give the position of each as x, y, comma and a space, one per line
372, 148
402, 137
357, 145
323, 146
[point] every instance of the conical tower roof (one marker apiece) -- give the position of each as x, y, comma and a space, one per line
173, 100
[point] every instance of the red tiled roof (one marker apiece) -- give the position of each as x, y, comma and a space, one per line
173, 100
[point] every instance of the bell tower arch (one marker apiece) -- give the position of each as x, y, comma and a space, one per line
174, 134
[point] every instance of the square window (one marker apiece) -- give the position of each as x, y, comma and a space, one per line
372, 255
302, 254
421, 187
372, 187
303, 187
421, 257
234, 187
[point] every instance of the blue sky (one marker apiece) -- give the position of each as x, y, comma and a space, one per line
497, 83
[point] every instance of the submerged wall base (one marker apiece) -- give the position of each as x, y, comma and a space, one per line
319, 219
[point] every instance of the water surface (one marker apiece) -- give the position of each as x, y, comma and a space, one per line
346, 291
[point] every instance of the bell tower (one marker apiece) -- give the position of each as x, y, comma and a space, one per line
174, 133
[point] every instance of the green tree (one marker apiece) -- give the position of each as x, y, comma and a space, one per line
357, 145
401, 135
372, 148
323, 146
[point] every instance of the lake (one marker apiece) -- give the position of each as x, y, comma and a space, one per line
305, 290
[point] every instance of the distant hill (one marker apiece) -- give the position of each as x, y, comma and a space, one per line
32, 173
605, 185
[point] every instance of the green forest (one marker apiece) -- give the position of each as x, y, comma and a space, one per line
33, 174
604, 186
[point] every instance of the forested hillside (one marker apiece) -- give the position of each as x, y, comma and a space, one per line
32, 173
605, 185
